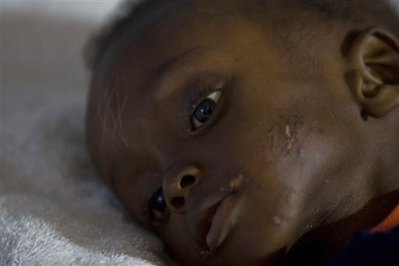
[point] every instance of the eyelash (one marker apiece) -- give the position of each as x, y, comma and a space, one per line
200, 93
145, 207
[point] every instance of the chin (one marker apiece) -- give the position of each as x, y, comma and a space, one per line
243, 246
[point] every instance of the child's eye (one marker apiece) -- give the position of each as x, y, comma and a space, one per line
157, 204
204, 109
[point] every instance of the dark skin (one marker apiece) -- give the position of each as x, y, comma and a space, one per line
258, 152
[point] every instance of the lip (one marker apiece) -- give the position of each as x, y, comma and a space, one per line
221, 222
216, 215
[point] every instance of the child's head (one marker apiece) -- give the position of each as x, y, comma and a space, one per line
233, 128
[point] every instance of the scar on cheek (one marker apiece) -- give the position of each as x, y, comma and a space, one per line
291, 132
285, 206
282, 138
234, 184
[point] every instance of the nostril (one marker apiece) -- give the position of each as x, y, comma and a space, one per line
187, 180
178, 202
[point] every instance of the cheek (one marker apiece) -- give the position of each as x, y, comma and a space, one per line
300, 172
313, 169
282, 139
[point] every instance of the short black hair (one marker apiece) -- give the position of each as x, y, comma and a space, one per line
348, 10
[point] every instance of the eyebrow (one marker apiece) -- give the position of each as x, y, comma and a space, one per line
170, 65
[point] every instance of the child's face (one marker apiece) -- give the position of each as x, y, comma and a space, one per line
243, 138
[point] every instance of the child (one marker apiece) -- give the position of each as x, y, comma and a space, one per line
251, 132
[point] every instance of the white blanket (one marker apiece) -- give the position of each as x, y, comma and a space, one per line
53, 208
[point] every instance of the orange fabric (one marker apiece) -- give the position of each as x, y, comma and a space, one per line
388, 223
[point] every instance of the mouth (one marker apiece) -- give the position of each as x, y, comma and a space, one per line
221, 223
218, 219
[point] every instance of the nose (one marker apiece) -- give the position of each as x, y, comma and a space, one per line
177, 183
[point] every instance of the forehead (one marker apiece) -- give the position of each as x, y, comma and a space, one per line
181, 36
174, 27
174, 42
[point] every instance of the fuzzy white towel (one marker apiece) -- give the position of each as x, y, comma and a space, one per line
53, 209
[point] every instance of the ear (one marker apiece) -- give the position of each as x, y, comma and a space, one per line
374, 71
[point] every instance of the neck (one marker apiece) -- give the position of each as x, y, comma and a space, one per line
386, 152
317, 246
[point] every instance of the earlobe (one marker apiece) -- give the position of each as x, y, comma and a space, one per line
374, 71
